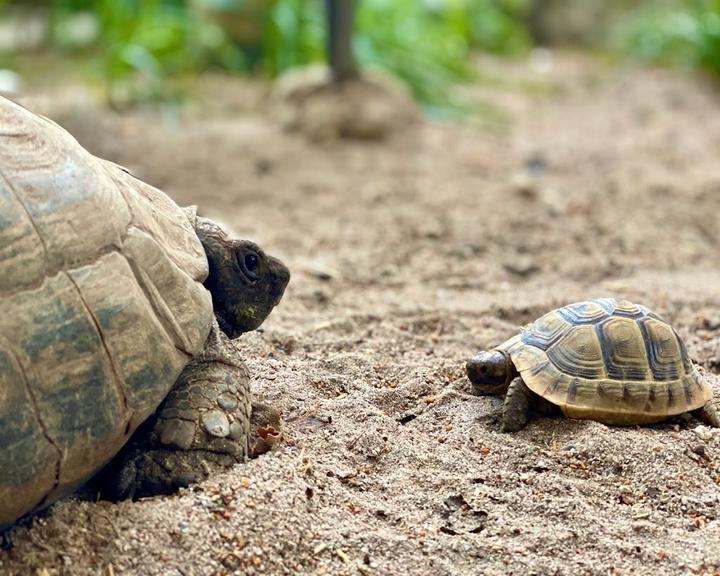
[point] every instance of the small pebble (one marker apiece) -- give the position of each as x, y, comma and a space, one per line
522, 265
10, 83
703, 432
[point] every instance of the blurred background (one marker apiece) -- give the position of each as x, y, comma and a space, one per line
135, 51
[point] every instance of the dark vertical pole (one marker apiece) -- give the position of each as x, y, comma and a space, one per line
340, 19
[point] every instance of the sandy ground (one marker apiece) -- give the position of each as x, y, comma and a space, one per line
407, 256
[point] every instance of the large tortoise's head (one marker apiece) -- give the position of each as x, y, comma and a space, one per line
245, 283
490, 372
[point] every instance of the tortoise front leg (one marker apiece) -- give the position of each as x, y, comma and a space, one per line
519, 400
203, 424
708, 414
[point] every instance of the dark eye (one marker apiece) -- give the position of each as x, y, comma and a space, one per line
249, 264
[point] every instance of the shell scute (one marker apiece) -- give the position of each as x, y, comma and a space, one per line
623, 349
629, 310
663, 349
578, 353
586, 312
545, 331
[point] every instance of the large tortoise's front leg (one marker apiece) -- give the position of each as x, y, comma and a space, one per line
204, 423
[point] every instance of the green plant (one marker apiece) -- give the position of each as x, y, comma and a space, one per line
295, 35
427, 47
684, 32
497, 26
427, 44
140, 44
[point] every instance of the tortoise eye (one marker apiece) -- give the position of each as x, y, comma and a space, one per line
249, 264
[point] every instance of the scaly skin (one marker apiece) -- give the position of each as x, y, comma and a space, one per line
203, 423
205, 420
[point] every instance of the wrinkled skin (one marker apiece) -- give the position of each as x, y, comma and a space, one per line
245, 283
205, 422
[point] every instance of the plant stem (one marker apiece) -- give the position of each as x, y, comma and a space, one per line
340, 18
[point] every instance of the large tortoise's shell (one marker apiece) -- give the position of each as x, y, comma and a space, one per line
615, 362
101, 306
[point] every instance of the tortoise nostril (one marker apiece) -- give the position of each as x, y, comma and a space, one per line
483, 369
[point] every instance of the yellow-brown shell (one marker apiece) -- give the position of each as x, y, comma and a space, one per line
102, 304
615, 362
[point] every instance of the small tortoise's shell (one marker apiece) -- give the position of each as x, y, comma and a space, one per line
615, 362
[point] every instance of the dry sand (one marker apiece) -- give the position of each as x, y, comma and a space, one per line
407, 256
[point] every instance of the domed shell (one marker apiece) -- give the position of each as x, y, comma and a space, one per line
101, 307
615, 362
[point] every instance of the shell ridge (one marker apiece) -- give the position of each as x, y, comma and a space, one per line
27, 213
146, 193
38, 418
162, 313
114, 368
608, 304
61, 270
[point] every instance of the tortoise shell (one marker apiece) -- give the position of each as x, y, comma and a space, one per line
102, 304
615, 362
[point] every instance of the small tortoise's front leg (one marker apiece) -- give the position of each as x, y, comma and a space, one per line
203, 423
516, 409
708, 414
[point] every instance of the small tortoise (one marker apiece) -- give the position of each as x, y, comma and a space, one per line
614, 362
113, 299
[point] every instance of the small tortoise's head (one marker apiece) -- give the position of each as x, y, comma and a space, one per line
490, 372
245, 283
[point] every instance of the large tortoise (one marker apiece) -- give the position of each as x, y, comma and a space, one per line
112, 298
614, 362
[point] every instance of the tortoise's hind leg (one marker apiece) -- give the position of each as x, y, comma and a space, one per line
708, 415
204, 423
516, 409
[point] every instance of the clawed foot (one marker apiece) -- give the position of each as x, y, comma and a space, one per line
139, 473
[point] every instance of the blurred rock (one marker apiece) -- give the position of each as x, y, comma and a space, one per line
78, 30
578, 23
10, 83
23, 28
541, 60
366, 108
243, 21
522, 265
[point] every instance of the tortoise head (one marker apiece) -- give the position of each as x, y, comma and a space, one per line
490, 372
245, 283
